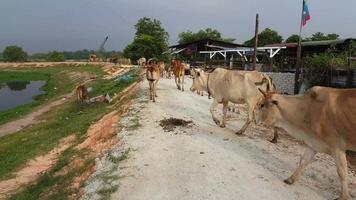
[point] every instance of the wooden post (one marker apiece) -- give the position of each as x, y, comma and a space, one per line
256, 43
349, 76
299, 57
231, 61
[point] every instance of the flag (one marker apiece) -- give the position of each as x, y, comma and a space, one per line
305, 15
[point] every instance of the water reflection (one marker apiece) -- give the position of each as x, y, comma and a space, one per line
15, 93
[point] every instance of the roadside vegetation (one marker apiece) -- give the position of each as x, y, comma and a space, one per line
70, 118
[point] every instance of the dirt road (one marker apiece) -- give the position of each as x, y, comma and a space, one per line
203, 161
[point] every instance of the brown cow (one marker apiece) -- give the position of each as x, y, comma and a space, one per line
323, 118
82, 93
161, 66
231, 86
178, 69
153, 75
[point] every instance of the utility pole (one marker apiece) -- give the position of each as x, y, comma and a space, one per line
256, 43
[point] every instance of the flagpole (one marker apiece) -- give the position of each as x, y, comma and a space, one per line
299, 55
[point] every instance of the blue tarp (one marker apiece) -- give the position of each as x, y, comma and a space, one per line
126, 77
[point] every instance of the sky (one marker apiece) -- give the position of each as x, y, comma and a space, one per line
46, 25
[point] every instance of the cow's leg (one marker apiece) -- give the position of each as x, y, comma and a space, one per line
308, 156
341, 165
177, 82
154, 91
180, 82
275, 135
150, 88
183, 83
212, 111
155, 86
249, 120
223, 122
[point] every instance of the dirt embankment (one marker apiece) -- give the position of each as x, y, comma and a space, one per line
54, 64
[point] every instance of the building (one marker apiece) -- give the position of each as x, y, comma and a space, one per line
191, 51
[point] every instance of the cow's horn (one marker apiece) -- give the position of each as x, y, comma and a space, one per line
264, 93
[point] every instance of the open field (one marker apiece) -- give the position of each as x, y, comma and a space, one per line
60, 80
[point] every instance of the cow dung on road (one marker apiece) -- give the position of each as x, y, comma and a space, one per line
170, 124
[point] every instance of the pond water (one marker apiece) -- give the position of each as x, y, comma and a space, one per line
17, 93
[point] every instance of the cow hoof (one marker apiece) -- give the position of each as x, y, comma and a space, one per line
240, 132
274, 141
289, 181
222, 126
217, 122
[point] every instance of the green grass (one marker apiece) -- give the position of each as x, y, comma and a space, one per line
57, 84
67, 119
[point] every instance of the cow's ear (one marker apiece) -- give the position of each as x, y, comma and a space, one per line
275, 102
264, 93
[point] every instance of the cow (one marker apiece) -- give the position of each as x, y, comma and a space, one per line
152, 75
161, 66
231, 86
141, 61
178, 69
323, 118
168, 71
192, 74
82, 93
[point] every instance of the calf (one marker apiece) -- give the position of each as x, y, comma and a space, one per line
141, 62
82, 93
178, 69
161, 66
152, 75
323, 118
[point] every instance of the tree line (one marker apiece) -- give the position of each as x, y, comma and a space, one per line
17, 54
151, 41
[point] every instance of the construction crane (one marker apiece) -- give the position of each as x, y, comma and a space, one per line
98, 55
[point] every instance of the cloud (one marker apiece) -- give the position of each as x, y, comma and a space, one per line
42, 25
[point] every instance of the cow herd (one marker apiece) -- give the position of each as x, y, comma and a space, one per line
323, 118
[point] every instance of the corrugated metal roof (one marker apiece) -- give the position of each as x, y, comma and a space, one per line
323, 42
312, 43
207, 41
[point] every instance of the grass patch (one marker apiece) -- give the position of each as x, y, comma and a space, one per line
70, 118
57, 83
134, 124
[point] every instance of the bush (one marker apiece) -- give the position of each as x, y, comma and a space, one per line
55, 56
14, 54
316, 67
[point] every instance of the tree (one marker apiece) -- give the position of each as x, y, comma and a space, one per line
14, 54
55, 56
150, 41
267, 36
208, 33
319, 36
293, 38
